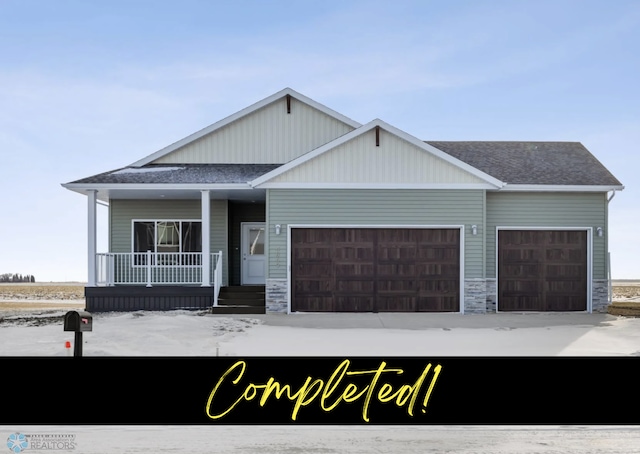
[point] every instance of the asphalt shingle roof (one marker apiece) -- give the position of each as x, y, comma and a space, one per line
540, 163
182, 174
537, 163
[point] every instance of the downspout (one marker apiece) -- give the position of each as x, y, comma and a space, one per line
609, 283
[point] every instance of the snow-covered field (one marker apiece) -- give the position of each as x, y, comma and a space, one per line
185, 333
39, 332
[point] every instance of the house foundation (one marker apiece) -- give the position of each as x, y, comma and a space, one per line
475, 296
276, 296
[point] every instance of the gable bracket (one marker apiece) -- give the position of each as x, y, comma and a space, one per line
288, 104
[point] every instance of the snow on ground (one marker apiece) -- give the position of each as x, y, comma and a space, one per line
183, 333
186, 333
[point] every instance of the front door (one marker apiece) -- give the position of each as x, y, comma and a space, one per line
253, 258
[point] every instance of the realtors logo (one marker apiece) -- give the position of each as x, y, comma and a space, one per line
18, 442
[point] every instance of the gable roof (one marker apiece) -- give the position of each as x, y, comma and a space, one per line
533, 163
243, 113
510, 166
490, 181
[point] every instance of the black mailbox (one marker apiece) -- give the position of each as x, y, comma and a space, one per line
78, 321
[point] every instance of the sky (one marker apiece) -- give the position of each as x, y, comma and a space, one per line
89, 86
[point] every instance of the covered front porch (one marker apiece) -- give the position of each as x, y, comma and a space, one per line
176, 248
176, 273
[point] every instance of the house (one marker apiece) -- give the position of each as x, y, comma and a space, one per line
323, 213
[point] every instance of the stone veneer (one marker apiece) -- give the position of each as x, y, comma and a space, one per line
475, 296
492, 295
600, 295
276, 295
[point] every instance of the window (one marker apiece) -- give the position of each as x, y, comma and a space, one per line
168, 238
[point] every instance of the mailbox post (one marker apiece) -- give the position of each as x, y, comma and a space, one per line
78, 322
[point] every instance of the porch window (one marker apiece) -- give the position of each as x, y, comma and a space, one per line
170, 241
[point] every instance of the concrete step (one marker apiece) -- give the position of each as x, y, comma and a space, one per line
241, 295
238, 309
241, 301
245, 299
243, 288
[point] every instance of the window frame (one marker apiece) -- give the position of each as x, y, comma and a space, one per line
180, 222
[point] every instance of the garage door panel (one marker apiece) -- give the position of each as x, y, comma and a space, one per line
436, 271
382, 269
437, 304
542, 270
354, 286
436, 254
318, 303
524, 303
396, 253
353, 303
396, 287
396, 304
386, 270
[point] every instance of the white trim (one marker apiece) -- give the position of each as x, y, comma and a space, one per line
374, 186
559, 188
205, 231
92, 229
364, 129
376, 226
589, 231
243, 113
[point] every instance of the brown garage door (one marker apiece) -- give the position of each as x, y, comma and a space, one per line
375, 270
542, 270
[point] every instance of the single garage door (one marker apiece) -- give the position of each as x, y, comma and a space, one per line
542, 270
375, 270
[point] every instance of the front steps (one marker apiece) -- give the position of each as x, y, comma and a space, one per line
245, 299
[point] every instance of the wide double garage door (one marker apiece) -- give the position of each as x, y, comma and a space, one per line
375, 270
542, 270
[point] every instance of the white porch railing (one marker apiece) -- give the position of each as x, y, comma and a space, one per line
216, 271
151, 268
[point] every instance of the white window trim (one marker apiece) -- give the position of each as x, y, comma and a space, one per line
155, 235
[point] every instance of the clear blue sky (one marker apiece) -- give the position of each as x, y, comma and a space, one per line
90, 86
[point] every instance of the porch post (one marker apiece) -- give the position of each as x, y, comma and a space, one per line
91, 237
206, 239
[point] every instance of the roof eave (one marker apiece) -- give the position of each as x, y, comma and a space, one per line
386, 186
560, 188
85, 187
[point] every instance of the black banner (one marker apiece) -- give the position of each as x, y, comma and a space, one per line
326, 390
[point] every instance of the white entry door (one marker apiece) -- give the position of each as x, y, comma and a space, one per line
253, 258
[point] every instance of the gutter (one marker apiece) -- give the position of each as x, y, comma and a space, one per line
610, 283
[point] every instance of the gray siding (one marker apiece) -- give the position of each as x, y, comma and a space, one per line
548, 210
122, 212
374, 207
